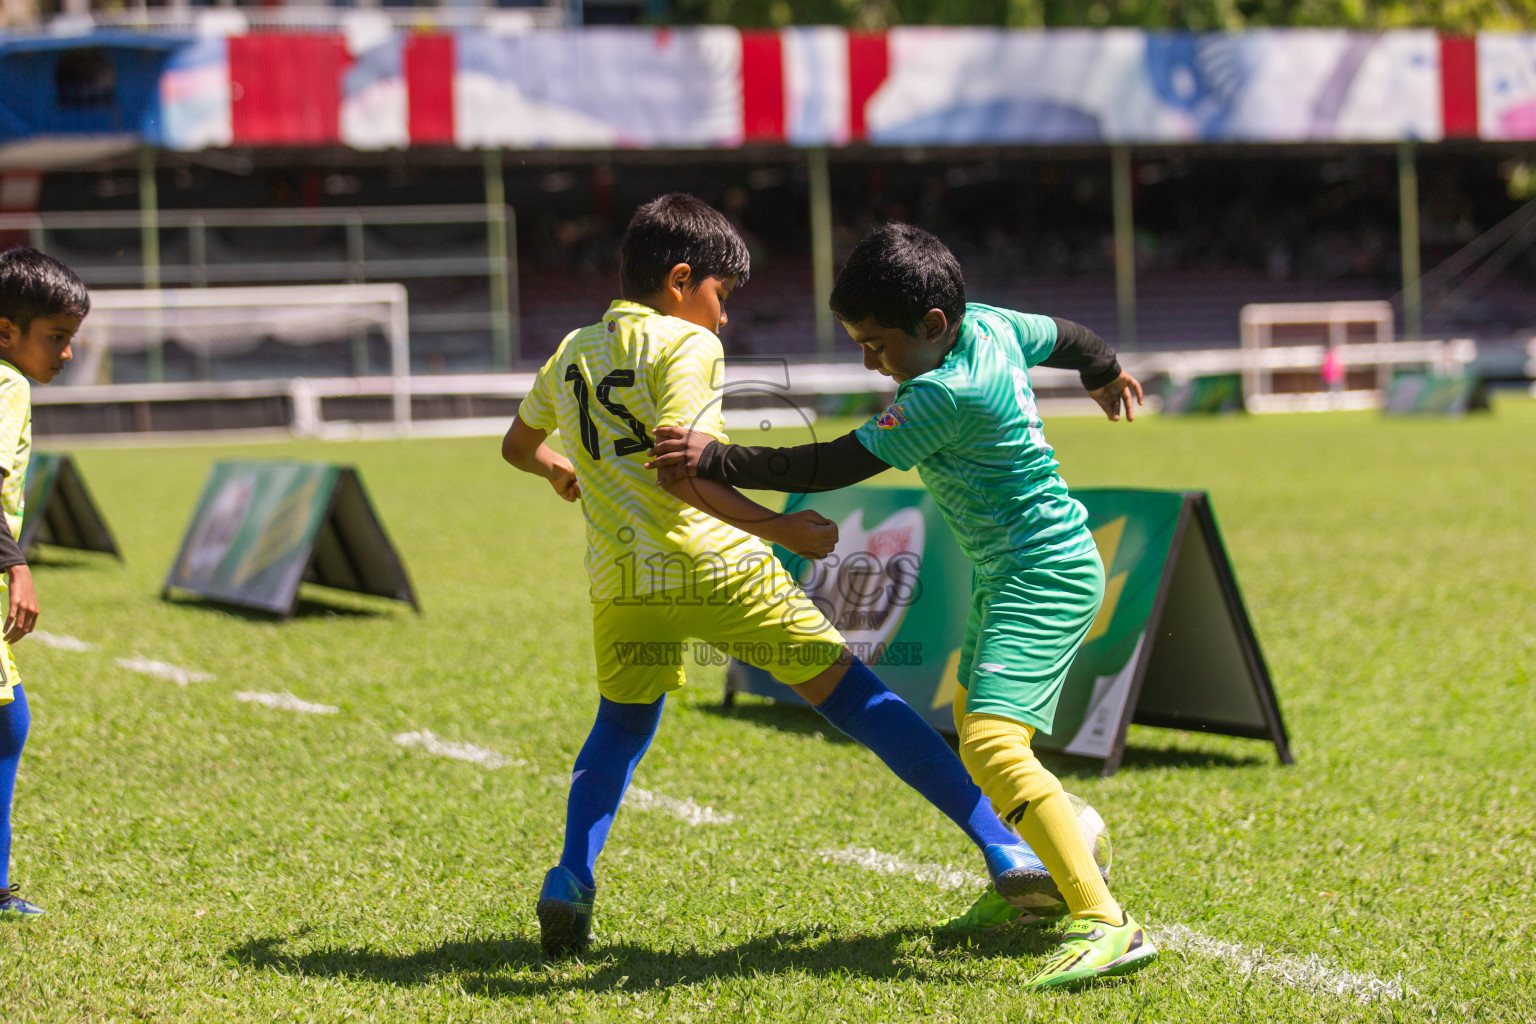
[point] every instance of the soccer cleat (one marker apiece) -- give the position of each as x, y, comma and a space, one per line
1017, 873
1093, 949
565, 913
1023, 880
14, 908
991, 912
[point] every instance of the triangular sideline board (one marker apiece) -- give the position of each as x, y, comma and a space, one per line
1171, 646
60, 511
262, 528
1203, 669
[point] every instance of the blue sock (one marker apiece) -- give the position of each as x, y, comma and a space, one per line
619, 739
15, 718
864, 708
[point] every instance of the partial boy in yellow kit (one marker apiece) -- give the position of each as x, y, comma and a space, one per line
42, 303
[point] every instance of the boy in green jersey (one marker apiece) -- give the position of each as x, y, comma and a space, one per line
965, 417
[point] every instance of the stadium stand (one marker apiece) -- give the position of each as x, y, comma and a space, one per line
1201, 256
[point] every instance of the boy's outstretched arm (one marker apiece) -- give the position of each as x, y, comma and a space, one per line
805, 532
21, 614
803, 469
22, 609
524, 448
1078, 348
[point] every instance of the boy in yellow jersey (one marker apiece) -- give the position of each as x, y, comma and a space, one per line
689, 561
41, 305
965, 417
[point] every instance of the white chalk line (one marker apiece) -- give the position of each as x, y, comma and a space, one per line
286, 702
148, 666
58, 641
890, 864
1309, 971
458, 751
687, 810
164, 670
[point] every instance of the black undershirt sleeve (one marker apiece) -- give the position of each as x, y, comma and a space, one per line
10, 551
804, 469
1078, 348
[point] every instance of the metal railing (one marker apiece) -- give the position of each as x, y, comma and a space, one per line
484, 403
498, 265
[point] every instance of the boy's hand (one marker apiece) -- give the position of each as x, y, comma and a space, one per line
21, 617
1116, 395
677, 451
807, 533
562, 477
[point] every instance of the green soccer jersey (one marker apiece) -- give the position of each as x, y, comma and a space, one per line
972, 430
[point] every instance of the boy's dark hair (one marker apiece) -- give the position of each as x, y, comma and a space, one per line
678, 228
34, 284
896, 274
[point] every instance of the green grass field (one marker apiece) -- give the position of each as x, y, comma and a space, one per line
208, 859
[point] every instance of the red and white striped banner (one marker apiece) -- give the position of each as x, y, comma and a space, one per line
720, 87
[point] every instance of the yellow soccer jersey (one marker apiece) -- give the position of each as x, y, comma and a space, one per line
604, 389
15, 444
15, 453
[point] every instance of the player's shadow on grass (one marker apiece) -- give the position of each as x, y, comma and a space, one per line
498, 966
800, 719
308, 607
67, 558
1066, 766
1178, 757
804, 721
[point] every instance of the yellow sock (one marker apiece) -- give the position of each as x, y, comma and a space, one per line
996, 752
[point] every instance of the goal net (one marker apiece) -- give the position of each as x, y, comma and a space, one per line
212, 324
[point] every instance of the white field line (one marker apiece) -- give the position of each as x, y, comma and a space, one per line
687, 810
1308, 972
59, 641
890, 864
458, 751
164, 670
637, 799
286, 702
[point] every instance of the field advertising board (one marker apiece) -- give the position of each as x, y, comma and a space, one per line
263, 528
1172, 644
60, 511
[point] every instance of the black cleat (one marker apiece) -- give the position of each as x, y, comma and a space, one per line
565, 914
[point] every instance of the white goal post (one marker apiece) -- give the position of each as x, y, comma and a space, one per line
211, 321
1329, 325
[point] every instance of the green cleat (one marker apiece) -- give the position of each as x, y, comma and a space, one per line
565, 914
1093, 949
14, 908
990, 912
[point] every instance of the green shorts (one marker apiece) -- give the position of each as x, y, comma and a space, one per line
1022, 633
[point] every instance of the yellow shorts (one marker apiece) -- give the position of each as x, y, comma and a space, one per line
8, 667
763, 619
